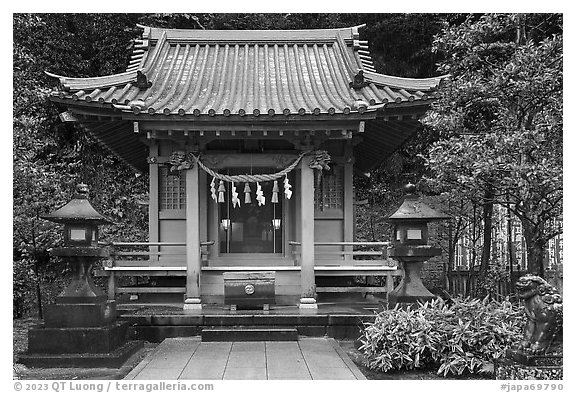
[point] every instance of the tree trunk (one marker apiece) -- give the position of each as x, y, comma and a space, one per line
451, 253
520, 29
36, 269
487, 210
535, 249
472, 264
38, 289
511, 253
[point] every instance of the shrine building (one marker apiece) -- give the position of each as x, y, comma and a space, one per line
250, 139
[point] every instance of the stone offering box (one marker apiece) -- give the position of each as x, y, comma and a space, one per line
249, 289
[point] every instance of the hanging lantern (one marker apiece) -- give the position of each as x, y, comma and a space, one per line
235, 200
276, 222
275, 192
221, 191
247, 196
226, 223
287, 188
213, 189
260, 195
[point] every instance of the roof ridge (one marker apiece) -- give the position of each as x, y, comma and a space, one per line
356, 27
249, 35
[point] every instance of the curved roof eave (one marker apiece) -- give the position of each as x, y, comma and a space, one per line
422, 84
69, 83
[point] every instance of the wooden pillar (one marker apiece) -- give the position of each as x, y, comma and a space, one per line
307, 280
348, 206
389, 283
192, 301
112, 286
153, 203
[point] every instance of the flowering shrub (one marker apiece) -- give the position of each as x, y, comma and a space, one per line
458, 338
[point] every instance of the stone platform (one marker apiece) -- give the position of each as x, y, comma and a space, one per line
103, 346
114, 359
512, 370
518, 365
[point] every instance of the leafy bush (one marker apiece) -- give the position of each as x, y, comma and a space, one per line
458, 338
22, 286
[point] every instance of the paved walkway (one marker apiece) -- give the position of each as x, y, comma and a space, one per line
189, 358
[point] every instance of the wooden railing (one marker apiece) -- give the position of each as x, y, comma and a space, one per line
145, 254
363, 259
146, 259
156, 259
346, 253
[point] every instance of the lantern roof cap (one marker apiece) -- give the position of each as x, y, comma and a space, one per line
78, 210
413, 209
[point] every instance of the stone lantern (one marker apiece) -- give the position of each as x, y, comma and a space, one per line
81, 251
80, 328
410, 247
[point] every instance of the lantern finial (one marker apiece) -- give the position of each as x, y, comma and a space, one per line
410, 188
82, 191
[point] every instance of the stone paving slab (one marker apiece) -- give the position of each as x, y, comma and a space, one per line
237, 373
329, 373
300, 374
189, 358
159, 373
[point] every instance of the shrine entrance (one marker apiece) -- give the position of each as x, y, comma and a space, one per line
251, 226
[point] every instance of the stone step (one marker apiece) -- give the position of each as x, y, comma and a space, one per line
249, 333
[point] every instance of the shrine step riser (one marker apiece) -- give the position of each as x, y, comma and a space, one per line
159, 333
249, 334
155, 328
247, 320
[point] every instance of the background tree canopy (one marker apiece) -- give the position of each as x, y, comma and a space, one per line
50, 157
500, 120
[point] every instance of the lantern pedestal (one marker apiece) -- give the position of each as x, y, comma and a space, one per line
82, 303
80, 328
82, 288
411, 290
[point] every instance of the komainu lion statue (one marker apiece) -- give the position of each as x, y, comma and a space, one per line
543, 307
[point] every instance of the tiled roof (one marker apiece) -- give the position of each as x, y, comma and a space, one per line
247, 72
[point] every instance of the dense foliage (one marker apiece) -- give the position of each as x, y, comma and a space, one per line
50, 158
460, 338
